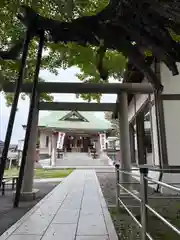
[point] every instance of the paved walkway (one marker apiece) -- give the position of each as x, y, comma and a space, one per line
74, 210
78, 160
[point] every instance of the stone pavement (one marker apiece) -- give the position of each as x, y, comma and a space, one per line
78, 160
74, 210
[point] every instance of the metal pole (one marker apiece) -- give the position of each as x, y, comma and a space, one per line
159, 135
117, 185
152, 129
30, 118
132, 143
141, 139
114, 152
144, 201
158, 185
17, 91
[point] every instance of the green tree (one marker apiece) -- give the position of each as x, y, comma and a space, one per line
114, 123
56, 55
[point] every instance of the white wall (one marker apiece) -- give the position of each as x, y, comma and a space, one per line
171, 83
172, 114
154, 137
43, 134
172, 124
136, 104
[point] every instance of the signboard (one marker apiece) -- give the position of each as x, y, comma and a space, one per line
60, 141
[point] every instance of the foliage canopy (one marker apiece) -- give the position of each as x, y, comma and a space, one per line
56, 55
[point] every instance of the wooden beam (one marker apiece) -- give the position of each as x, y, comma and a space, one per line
108, 88
172, 97
62, 106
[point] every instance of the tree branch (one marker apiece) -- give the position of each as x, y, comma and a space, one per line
118, 25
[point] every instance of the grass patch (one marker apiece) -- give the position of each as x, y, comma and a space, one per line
127, 229
42, 173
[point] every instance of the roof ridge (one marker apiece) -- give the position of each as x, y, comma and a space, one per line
93, 122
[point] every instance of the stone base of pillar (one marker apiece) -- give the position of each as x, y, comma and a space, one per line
28, 196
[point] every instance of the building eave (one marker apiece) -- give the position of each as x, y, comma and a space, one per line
74, 129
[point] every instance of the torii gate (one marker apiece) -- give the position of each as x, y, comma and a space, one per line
98, 29
121, 89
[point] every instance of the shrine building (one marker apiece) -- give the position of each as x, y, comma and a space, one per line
72, 131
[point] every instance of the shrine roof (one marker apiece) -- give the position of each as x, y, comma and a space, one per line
74, 120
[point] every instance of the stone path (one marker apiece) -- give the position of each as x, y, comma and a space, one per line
78, 160
74, 210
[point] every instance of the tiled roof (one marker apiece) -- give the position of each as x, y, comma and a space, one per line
54, 120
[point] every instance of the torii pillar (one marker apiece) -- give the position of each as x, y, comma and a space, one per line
27, 186
125, 151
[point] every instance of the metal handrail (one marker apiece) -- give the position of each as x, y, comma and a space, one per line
170, 169
149, 183
129, 173
130, 193
163, 219
163, 184
143, 199
130, 213
126, 170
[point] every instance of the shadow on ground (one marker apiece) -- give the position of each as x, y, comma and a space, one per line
9, 215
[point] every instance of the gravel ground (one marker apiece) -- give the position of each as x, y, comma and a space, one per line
125, 227
10, 215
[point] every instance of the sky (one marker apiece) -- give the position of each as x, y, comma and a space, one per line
68, 75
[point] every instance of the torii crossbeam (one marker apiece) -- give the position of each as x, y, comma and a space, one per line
70, 87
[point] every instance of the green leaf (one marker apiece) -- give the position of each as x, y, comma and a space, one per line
56, 55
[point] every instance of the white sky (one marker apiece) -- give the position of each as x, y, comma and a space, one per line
23, 106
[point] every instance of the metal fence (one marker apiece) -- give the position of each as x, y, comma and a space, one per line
142, 198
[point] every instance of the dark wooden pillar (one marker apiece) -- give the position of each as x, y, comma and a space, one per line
132, 143
141, 138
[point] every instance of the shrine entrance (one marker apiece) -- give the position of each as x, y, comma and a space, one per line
77, 143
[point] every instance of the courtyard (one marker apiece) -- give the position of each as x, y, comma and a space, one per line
75, 209
81, 204
128, 49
